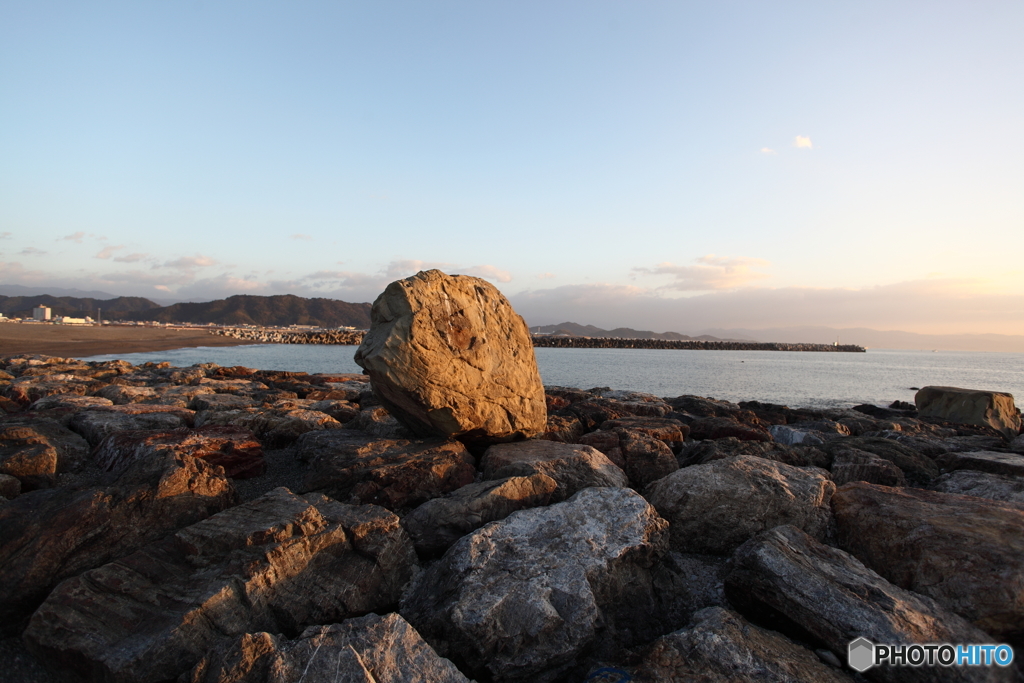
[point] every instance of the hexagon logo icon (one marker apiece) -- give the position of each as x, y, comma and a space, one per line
861, 654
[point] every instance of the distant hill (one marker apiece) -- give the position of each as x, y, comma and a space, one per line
885, 339
22, 290
279, 310
577, 330
76, 307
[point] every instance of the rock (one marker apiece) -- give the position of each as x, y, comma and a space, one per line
573, 466
820, 594
917, 468
447, 355
440, 522
1001, 487
396, 473
377, 421
672, 432
984, 461
234, 449
716, 507
72, 401
96, 425
967, 553
524, 598
644, 458
279, 563
340, 410
177, 395
722, 427
852, 464
72, 449
685, 583
10, 487
566, 429
221, 402
702, 452
238, 387
121, 395
374, 649
47, 536
968, 406
791, 436
721, 646
34, 465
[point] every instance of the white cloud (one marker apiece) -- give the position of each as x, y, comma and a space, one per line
489, 273
801, 142
191, 262
710, 273
76, 237
546, 276
131, 258
768, 150
108, 251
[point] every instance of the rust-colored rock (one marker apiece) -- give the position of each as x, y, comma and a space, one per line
970, 406
448, 356
233, 448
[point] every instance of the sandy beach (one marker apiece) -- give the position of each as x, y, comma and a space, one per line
80, 341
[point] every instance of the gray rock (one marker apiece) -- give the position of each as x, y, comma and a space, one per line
916, 467
716, 507
965, 552
823, 595
523, 598
221, 402
1001, 487
970, 406
984, 461
573, 466
279, 563
10, 487
853, 464
438, 523
96, 425
370, 649
721, 646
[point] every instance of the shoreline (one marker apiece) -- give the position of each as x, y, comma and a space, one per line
83, 341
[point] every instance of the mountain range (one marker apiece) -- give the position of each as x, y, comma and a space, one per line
577, 330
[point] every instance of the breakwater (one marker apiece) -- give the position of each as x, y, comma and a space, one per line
354, 338
689, 344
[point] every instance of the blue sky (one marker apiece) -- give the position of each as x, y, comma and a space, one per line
653, 164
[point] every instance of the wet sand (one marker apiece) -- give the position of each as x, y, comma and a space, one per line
87, 340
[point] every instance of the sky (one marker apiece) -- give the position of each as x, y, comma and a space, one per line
659, 165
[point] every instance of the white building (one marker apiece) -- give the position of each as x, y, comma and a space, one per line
41, 312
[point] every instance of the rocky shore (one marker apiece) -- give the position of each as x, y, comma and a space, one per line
219, 524
354, 338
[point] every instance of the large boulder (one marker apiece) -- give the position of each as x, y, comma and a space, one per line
370, 649
1010, 464
524, 598
1003, 487
965, 552
970, 406
714, 508
448, 356
826, 597
278, 563
49, 535
233, 448
720, 646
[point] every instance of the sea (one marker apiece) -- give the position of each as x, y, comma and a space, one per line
796, 379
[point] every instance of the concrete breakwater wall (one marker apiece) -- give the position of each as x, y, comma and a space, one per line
696, 345
354, 338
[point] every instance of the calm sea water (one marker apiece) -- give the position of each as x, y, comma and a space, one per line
796, 379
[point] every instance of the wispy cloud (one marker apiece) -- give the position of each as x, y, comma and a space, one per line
710, 273
31, 251
801, 142
4, 235
108, 251
191, 262
131, 258
76, 237
768, 150
546, 276
488, 272
300, 236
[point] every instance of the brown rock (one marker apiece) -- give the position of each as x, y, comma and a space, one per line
716, 507
702, 452
395, 473
566, 429
984, 461
49, 535
235, 449
573, 466
721, 646
1001, 487
370, 649
10, 487
278, 563
672, 432
969, 406
852, 464
967, 553
96, 425
643, 457
724, 427
447, 355
35, 465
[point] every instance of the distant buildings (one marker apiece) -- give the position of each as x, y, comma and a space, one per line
41, 313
